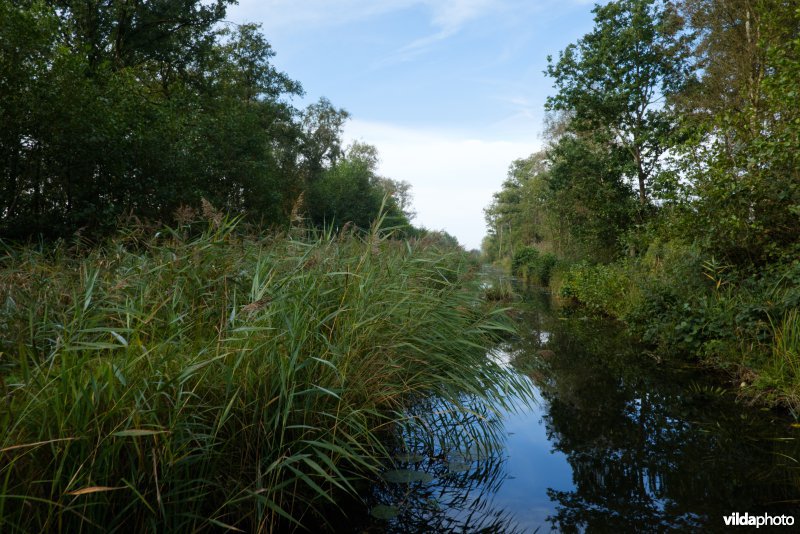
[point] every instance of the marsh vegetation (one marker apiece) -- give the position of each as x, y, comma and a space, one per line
203, 378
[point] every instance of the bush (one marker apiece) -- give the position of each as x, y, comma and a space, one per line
522, 259
602, 289
532, 266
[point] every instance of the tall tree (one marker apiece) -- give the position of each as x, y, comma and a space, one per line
322, 136
517, 216
114, 106
743, 165
614, 80
351, 191
166, 33
588, 195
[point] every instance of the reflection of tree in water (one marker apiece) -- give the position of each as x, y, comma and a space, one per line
453, 461
650, 449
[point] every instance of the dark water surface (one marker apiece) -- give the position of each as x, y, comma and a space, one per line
618, 441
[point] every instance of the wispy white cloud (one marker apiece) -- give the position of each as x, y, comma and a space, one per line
294, 15
446, 17
522, 112
451, 14
453, 175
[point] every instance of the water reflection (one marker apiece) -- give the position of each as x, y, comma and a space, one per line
619, 441
652, 447
447, 465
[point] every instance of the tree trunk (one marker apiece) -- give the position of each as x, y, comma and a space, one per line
642, 176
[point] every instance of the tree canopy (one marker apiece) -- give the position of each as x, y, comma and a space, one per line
694, 103
615, 79
114, 108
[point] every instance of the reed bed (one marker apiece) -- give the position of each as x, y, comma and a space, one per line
210, 380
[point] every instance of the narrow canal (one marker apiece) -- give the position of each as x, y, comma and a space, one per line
618, 440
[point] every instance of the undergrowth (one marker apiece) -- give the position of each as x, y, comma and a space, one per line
744, 322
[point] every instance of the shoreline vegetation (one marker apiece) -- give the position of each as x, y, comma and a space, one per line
744, 326
200, 374
196, 373
667, 194
204, 377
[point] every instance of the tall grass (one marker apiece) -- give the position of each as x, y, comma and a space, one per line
186, 382
786, 346
779, 380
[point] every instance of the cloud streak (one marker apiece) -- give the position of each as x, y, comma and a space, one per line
446, 17
291, 15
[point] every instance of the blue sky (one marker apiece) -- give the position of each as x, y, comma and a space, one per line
450, 91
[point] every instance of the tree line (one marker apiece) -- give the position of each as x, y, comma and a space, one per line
668, 189
669, 118
113, 109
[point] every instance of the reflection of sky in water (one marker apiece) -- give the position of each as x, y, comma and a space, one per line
532, 467
501, 356
528, 468
544, 337
504, 355
651, 448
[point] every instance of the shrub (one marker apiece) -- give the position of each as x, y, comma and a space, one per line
602, 289
532, 266
524, 257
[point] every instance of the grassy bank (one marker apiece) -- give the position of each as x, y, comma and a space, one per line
185, 380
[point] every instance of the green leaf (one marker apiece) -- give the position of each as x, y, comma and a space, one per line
138, 432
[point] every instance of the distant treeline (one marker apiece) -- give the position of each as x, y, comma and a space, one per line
117, 109
668, 191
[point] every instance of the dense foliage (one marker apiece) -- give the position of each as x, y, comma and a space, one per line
669, 186
119, 108
207, 321
197, 380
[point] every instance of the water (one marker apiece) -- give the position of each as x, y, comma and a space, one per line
618, 441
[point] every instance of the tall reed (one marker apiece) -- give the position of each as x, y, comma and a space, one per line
779, 379
215, 380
